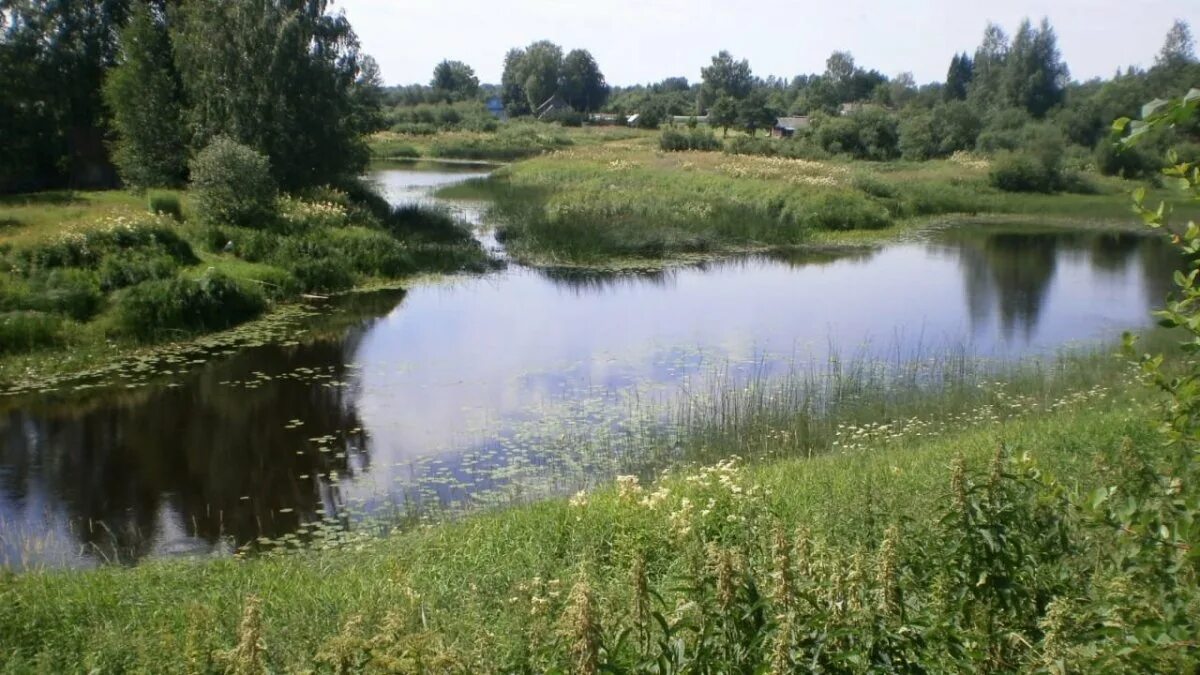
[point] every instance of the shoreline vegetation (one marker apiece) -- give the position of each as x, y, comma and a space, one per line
928, 514
838, 516
93, 279
627, 201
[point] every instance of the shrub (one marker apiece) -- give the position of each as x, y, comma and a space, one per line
165, 204
212, 302
89, 248
567, 118
26, 331
1131, 162
918, 137
133, 268
232, 184
415, 128
323, 274
423, 223
845, 211
693, 139
1023, 172
72, 292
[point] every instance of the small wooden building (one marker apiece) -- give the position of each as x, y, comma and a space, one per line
785, 127
552, 105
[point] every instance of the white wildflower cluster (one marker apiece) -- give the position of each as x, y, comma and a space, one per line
579, 500
303, 214
795, 171
850, 437
541, 593
622, 165
969, 160
628, 488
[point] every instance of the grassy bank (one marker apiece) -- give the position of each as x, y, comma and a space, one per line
89, 277
626, 199
851, 561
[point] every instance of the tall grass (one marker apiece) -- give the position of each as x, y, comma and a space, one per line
590, 204
823, 562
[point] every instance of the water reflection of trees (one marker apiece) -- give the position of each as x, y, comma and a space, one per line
582, 281
1009, 273
211, 453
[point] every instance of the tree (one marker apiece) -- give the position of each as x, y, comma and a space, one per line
839, 69
512, 83
958, 78
1035, 77
726, 77
583, 85
53, 57
144, 95
1178, 48
454, 81
540, 67
281, 79
987, 68
723, 113
754, 112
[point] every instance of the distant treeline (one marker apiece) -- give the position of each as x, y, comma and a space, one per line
94, 90
1014, 92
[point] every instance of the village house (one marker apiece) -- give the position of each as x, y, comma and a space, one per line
552, 105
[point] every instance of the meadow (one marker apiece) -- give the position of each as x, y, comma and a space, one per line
897, 525
93, 276
625, 198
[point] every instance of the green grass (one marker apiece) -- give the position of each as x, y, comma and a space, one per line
491, 592
80, 272
592, 203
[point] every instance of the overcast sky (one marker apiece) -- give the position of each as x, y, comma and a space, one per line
637, 41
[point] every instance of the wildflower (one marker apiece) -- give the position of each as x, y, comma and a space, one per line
249, 656
583, 628
628, 488
579, 500
889, 585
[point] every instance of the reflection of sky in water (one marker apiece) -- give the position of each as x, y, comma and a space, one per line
468, 368
452, 356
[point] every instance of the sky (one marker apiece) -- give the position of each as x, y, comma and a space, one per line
645, 41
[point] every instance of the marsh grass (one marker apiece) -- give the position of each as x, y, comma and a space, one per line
589, 204
557, 582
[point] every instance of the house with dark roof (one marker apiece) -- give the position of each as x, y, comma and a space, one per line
785, 127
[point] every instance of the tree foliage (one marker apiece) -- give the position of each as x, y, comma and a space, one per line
583, 86
958, 77
726, 77
455, 81
145, 98
280, 79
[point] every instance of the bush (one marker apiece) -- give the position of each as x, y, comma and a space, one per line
133, 268
212, 302
425, 224
321, 275
232, 184
1130, 162
1023, 172
72, 292
845, 211
26, 331
89, 248
165, 204
566, 118
693, 139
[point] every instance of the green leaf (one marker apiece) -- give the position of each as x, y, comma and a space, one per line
1152, 107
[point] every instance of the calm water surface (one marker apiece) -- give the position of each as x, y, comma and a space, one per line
431, 390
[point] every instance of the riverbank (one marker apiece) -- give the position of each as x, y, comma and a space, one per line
851, 557
625, 200
93, 280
